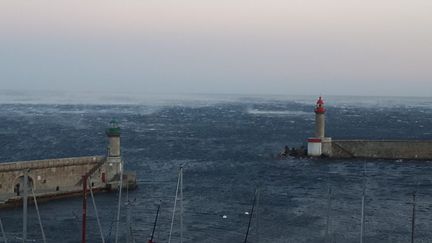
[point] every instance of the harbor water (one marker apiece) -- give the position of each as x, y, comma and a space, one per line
228, 147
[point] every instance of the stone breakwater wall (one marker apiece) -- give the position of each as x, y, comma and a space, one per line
53, 176
378, 149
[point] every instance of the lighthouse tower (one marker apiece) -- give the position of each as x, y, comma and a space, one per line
315, 143
320, 118
113, 133
114, 164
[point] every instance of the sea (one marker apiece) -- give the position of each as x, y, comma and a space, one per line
228, 147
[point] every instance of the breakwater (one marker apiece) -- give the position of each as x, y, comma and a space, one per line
62, 177
379, 149
321, 146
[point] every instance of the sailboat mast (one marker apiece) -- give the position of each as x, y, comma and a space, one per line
128, 223
96, 211
181, 204
363, 205
38, 214
413, 217
25, 198
175, 205
119, 201
84, 209
257, 216
250, 216
362, 217
154, 224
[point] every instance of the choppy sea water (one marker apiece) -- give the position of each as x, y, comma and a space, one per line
227, 148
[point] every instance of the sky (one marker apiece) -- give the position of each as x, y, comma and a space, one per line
293, 47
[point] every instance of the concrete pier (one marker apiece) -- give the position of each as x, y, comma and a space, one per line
378, 149
321, 146
58, 178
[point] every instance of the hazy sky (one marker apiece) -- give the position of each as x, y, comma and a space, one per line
352, 47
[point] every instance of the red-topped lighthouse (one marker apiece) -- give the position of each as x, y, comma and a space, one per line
320, 118
317, 145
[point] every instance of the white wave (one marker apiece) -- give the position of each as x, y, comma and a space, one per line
278, 113
107, 98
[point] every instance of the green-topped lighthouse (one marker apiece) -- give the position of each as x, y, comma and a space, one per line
63, 177
113, 133
114, 165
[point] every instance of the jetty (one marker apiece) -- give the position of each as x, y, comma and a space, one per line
63, 177
322, 146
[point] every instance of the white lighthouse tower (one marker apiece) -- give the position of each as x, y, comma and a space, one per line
315, 143
114, 165
320, 118
113, 133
